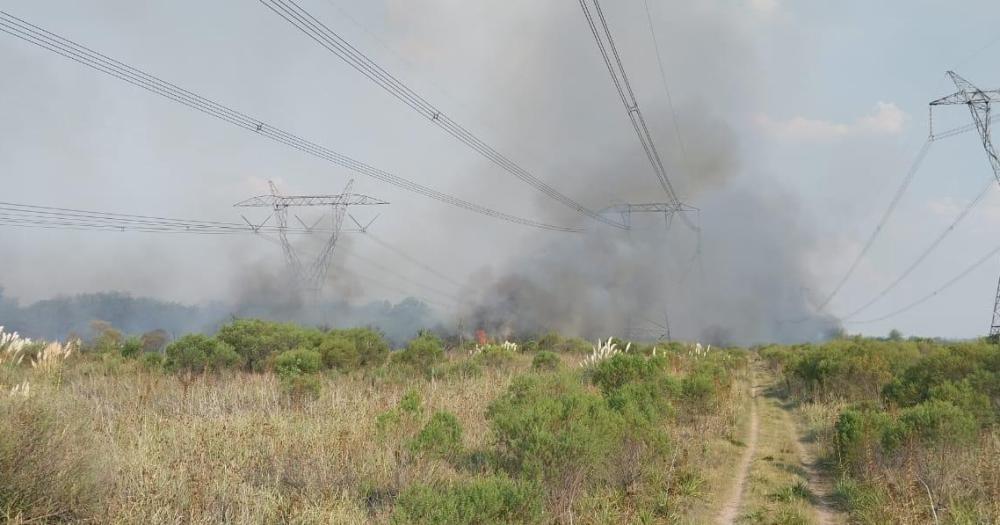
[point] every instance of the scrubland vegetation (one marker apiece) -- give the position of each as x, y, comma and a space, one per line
266, 422
908, 429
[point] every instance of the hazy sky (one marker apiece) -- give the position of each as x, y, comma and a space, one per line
826, 102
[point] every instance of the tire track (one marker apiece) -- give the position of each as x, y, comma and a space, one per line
735, 500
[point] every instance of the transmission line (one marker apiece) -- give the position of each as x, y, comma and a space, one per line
923, 256
426, 267
933, 294
663, 78
401, 277
312, 27
85, 56
907, 179
624, 88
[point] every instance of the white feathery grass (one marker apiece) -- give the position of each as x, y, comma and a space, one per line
22, 390
53, 355
603, 350
698, 352
11, 347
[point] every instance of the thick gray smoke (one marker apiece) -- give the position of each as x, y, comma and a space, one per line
750, 283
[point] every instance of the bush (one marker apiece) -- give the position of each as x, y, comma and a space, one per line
351, 349
131, 348
550, 428
422, 353
546, 361
483, 500
152, 361
256, 340
440, 437
935, 423
410, 403
857, 433
611, 374
297, 362
338, 351
196, 353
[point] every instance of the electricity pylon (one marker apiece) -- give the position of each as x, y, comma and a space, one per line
979, 103
667, 209
311, 277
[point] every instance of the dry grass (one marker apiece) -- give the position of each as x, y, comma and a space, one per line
109, 442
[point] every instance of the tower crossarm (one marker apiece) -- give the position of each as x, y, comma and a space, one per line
290, 201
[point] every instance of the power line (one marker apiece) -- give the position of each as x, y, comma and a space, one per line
319, 32
85, 56
933, 294
887, 214
907, 179
619, 78
403, 278
663, 78
923, 256
426, 267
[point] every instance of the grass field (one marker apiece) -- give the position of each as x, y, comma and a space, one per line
269, 423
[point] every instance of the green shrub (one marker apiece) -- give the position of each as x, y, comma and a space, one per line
935, 423
549, 342
440, 437
495, 356
197, 353
256, 340
297, 362
351, 349
372, 348
549, 427
574, 345
857, 434
410, 403
545, 361
338, 351
699, 390
152, 361
971, 395
621, 369
131, 348
479, 501
422, 353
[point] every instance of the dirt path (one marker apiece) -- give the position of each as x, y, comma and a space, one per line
776, 459
734, 502
819, 483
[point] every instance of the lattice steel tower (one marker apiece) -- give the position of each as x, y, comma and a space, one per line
979, 103
312, 276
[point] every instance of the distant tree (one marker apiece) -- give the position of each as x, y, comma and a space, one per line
895, 335
155, 340
106, 337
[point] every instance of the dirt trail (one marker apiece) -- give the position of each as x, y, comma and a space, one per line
734, 502
819, 484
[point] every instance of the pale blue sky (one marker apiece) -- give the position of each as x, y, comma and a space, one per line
827, 102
